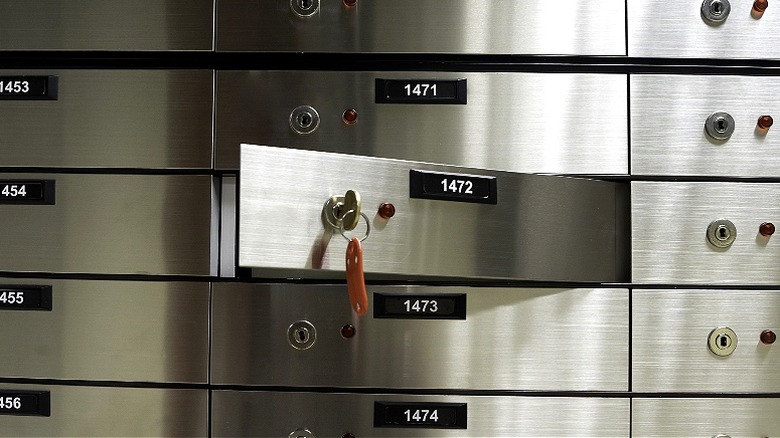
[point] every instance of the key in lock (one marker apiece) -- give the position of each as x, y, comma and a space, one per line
342, 212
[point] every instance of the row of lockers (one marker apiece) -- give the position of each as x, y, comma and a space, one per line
92, 411
414, 337
616, 27
532, 123
170, 224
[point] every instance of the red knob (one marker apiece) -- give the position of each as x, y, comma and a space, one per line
768, 337
766, 229
386, 211
765, 122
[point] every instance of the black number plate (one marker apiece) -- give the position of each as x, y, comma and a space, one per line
28, 87
453, 187
420, 415
25, 297
406, 306
421, 91
28, 403
27, 192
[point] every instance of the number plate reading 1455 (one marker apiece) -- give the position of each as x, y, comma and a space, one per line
433, 306
28, 403
420, 415
25, 297
453, 187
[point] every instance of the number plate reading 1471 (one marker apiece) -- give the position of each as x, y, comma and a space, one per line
420, 415
433, 306
421, 91
453, 187
28, 403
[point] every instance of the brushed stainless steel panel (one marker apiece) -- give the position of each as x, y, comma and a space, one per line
277, 414
743, 417
677, 30
106, 25
543, 227
669, 340
115, 224
103, 412
558, 339
520, 122
110, 330
667, 125
467, 26
668, 231
112, 118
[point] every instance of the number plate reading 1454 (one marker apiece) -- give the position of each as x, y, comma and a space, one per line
420, 415
28, 403
27, 192
453, 187
433, 306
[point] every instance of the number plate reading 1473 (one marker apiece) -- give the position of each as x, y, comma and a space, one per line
420, 415
433, 306
453, 187
28, 403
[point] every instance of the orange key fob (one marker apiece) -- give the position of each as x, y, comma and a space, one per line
356, 282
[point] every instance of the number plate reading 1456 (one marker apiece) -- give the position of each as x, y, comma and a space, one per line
433, 306
28, 403
420, 415
453, 187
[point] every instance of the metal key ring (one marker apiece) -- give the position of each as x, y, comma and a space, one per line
368, 226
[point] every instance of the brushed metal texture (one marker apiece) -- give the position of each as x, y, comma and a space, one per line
543, 227
112, 224
669, 340
519, 122
668, 232
677, 30
424, 26
110, 330
107, 412
581, 343
670, 417
667, 126
106, 25
277, 414
112, 118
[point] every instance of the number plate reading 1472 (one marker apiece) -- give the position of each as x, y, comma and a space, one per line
432, 306
28, 403
441, 186
420, 415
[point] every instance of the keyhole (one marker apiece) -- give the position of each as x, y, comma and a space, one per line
722, 126
723, 233
304, 120
717, 8
305, 4
724, 342
302, 335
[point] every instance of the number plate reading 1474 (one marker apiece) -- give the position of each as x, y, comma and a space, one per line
420, 415
28, 403
433, 306
453, 187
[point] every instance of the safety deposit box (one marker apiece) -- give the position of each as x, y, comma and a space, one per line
519, 122
298, 209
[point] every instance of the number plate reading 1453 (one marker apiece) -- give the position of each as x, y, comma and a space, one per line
28, 403
433, 306
28, 87
453, 187
420, 415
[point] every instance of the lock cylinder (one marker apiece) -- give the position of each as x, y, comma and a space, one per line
715, 11
721, 233
722, 341
719, 126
